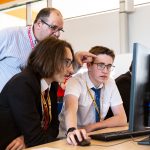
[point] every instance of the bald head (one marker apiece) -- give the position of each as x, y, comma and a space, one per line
45, 13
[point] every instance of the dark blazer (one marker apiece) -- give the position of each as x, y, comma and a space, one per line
21, 112
124, 86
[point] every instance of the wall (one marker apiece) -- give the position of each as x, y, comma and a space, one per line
100, 29
139, 23
122, 63
103, 29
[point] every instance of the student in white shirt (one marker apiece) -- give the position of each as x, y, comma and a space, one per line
78, 112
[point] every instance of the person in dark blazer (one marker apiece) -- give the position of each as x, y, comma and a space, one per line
124, 86
24, 111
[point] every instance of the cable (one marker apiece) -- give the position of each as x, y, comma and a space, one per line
133, 139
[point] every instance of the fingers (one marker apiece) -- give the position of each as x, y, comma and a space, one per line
88, 54
84, 57
71, 139
10, 146
18, 147
87, 59
83, 133
16, 144
80, 135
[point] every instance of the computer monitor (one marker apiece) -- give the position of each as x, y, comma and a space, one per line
139, 84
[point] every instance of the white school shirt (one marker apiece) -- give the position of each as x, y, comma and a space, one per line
76, 86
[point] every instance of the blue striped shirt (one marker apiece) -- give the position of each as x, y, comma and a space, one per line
15, 48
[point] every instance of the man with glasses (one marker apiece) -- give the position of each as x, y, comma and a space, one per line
88, 97
16, 43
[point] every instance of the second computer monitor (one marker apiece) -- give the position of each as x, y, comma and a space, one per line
139, 82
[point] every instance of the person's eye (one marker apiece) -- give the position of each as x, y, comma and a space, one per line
54, 27
109, 66
101, 65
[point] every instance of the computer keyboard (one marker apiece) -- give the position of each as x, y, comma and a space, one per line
119, 135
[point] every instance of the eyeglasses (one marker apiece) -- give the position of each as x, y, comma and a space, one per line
68, 63
53, 27
101, 66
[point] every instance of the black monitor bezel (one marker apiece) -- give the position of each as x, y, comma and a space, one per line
138, 82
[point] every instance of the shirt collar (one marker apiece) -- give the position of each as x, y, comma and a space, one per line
44, 85
89, 82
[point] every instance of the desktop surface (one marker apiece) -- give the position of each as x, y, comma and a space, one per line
97, 145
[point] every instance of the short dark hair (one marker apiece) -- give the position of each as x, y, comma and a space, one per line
45, 13
102, 50
47, 58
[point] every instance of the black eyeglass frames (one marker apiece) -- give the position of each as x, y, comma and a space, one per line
101, 66
53, 27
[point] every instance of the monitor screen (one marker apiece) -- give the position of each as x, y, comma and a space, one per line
139, 86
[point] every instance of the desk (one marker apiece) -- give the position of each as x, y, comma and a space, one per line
113, 145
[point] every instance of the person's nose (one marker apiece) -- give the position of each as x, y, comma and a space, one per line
71, 70
57, 34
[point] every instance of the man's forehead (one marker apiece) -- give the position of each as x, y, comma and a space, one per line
101, 57
55, 19
55, 15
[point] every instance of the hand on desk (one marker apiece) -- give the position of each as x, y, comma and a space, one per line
16, 144
78, 137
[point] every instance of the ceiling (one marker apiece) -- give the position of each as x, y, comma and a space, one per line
6, 1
